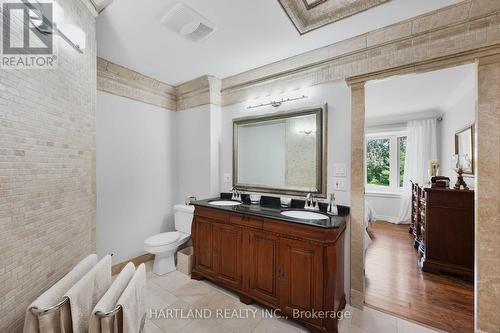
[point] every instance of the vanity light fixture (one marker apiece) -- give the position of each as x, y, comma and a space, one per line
276, 103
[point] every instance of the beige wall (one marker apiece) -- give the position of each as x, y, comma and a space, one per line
47, 171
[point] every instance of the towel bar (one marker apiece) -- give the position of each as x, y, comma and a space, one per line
41, 312
117, 309
108, 314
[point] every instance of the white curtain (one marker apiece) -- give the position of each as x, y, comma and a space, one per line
421, 147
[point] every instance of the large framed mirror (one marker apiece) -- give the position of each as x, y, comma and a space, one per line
464, 149
282, 153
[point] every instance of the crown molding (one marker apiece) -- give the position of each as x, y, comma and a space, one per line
307, 18
121, 81
200, 91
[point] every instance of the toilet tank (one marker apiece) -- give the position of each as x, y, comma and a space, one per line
183, 218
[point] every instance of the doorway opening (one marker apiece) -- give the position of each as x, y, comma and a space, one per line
419, 244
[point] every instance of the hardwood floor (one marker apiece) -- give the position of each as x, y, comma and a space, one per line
395, 284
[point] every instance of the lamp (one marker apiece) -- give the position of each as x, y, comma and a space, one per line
459, 169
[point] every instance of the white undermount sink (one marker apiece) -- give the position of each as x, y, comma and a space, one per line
224, 203
304, 215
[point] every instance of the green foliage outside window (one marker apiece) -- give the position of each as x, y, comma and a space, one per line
378, 162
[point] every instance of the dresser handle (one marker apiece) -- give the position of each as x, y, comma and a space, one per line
281, 274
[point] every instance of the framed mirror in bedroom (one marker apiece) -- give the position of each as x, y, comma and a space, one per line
464, 149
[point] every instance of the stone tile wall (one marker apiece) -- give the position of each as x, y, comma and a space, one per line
47, 170
488, 196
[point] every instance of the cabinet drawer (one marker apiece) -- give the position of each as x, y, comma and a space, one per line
212, 214
246, 221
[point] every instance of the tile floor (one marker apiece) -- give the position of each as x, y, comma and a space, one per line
177, 291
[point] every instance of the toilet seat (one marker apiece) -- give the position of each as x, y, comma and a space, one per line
164, 238
165, 241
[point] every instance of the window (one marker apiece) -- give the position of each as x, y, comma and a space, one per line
378, 165
385, 162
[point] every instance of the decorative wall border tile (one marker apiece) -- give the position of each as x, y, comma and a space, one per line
200, 91
463, 27
121, 81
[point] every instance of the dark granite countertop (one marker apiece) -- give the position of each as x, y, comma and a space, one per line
270, 207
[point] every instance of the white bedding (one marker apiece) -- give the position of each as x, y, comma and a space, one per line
369, 218
369, 214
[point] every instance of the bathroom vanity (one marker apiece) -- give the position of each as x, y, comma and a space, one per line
292, 264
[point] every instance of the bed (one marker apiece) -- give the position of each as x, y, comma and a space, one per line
369, 218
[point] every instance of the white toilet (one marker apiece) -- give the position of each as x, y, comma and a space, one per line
164, 246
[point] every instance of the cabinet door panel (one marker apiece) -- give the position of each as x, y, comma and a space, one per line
228, 247
263, 269
204, 245
301, 284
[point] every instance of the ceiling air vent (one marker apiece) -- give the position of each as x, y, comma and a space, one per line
188, 23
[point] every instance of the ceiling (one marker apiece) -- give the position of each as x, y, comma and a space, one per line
250, 34
410, 95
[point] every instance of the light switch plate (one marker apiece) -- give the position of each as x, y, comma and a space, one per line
339, 170
339, 184
227, 178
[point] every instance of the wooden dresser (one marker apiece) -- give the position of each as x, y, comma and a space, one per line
445, 230
416, 193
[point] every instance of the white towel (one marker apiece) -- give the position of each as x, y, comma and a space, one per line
132, 301
109, 301
50, 322
85, 294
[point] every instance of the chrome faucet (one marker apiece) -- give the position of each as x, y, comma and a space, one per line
311, 202
236, 195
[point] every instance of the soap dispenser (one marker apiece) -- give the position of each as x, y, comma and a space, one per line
332, 206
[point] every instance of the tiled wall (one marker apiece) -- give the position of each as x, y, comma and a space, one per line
487, 199
47, 170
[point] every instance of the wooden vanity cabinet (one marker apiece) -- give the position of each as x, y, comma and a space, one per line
217, 250
227, 247
263, 273
204, 250
283, 265
301, 274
